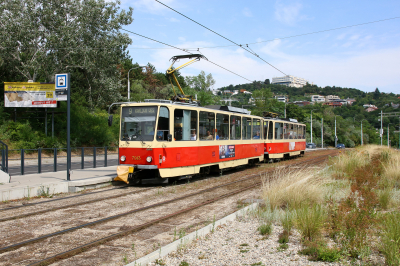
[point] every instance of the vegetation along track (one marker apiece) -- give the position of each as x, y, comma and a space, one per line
80, 249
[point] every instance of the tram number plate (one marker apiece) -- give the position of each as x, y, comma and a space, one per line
226, 151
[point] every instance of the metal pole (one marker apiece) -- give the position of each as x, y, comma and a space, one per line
94, 157
83, 158
388, 135
39, 160
381, 133
22, 161
311, 126
55, 159
52, 125
322, 132
45, 121
285, 108
362, 143
335, 133
68, 128
105, 156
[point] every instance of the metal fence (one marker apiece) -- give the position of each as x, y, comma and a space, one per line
55, 159
4, 157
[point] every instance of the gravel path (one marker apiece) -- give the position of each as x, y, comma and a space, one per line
239, 243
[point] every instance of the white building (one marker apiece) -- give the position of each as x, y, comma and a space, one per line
289, 81
318, 98
281, 98
331, 98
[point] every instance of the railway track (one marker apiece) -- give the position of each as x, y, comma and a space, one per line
252, 179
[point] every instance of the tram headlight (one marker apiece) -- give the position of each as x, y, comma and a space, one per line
123, 158
149, 159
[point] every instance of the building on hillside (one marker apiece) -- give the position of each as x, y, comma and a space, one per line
395, 106
369, 105
333, 104
281, 98
242, 90
343, 102
372, 108
289, 81
317, 99
301, 103
350, 101
247, 92
331, 98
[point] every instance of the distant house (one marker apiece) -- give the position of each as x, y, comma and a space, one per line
350, 101
247, 92
318, 98
301, 103
369, 105
372, 108
333, 104
395, 106
281, 98
331, 98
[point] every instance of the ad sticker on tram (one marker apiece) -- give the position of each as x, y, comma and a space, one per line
226, 151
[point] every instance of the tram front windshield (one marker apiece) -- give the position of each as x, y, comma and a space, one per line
138, 123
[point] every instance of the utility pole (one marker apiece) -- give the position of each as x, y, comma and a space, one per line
388, 135
129, 82
335, 133
362, 142
322, 132
381, 129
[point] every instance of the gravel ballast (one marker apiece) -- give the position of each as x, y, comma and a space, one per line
239, 243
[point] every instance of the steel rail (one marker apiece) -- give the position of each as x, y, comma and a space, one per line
69, 197
71, 205
82, 248
30, 241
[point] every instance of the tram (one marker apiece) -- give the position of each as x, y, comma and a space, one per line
166, 140
163, 140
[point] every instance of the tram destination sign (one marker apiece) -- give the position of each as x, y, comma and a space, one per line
29, 94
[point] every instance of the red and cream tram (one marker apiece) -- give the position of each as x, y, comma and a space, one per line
162, 139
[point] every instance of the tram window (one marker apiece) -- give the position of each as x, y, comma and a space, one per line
285, 131
304, 132
163, 124
271, 130
265, 129
291, 133
246, 129
206, 125
256, 129
137, 123
295, 130
235, 127
185, 125
278, 130
222, 131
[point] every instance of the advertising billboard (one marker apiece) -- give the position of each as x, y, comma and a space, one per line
29, 94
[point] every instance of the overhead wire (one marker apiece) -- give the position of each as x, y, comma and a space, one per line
221, 36
186, 51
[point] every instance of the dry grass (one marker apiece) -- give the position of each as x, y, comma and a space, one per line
294, 188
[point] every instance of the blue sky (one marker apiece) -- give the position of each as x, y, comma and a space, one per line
363, 57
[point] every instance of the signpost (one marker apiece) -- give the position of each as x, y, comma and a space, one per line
63, 84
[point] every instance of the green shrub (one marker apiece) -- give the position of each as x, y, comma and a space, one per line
385, 197
284, 237
391, 238
265, 229
310, 220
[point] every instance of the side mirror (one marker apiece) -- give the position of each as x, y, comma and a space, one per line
169, 137
110, 120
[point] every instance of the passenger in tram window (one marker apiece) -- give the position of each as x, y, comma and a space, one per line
193, 135
209, 136
216, 135
257, 135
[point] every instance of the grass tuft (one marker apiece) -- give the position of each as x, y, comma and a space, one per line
391, 238
309, 221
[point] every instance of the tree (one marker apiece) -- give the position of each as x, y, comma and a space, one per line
201, 82
40, 38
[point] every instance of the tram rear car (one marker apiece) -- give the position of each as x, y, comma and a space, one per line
284, 138
161, 140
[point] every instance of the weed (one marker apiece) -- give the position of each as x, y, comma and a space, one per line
257, 264
309, 221
184, 263
175, 234
213, 224
159, 262
244, 245
44, 192
244, 250
283, 246
283, 237
391, 238
182, 232
265, 229
385, 197
319, 252
202, 257
287, 220
125, 259
133, 249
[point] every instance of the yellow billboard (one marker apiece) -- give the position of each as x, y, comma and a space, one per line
29, 94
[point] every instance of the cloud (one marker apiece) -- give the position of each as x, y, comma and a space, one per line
288, 14
174, 20
246, 12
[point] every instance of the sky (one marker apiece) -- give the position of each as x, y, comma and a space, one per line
364, 57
